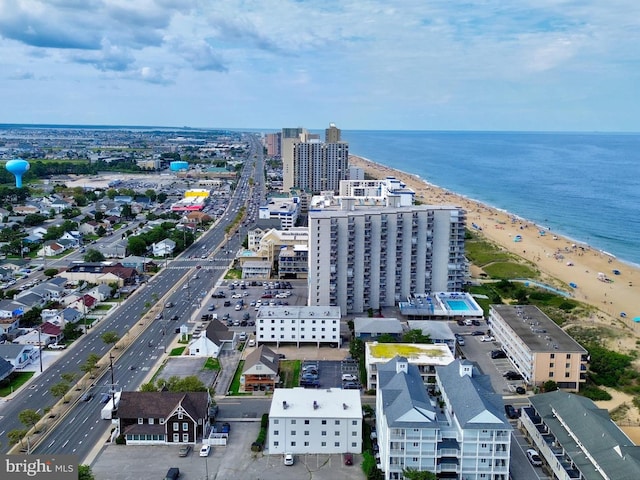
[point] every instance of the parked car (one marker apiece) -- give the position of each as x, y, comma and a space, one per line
351, 386
205, 450
487, 338
520, 390
460, 341
168, 305
534, 458
226, 427
511, 411
349, 377
348, 459
172, 474
498, 354
184, 450
288, 459
511, 375
477, 333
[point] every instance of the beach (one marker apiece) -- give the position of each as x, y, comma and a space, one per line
561, 261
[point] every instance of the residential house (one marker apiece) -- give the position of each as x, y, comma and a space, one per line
163, 248
53, 331
158, 418
6, 274
10, 313
578, 440
438, 332
83, 303
89, 228
101, 273
33, 336
141, 264
215, 338
100, 292
367, 329
48, 290
30, 299
6, 369
20, 356
59, 205
455, 429
260, 371
325, 421
51, 248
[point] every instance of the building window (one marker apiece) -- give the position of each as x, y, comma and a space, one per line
293, 444
140, 421
337, 422
551, 364
354, 422
185, 437
354, 444
276, 432
293, 432
337, 444
180, 416
306, 422
324, 422
306, 432
323, 444
337, 433
293, 422
323, 433
568, 356
567, 374
275, 444
550, 374
567, 365
354, 433
185, 426
151, 421
276, 421
306, 444
553, 355
162, 421
176, 426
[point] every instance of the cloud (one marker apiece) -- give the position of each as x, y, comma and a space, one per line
151, 75
21, 75
109, 58
199, 54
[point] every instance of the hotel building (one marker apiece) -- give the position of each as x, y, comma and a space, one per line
537, 347
363, 257
299, 325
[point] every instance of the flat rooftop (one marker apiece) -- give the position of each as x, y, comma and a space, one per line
537, 331
416, 353
330, 403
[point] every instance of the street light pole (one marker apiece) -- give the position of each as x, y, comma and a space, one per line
40, 347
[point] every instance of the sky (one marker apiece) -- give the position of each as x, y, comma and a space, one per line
526, 65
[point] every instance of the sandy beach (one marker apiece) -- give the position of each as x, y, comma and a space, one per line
561, 261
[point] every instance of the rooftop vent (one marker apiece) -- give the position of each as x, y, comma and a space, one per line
315, 405
284, 404
344, 406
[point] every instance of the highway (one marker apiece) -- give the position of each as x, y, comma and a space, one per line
82, 427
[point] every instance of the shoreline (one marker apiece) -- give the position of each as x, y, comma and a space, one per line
559, 258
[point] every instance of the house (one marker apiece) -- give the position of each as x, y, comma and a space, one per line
101, 273
89, 228
216, 337
425, 356
10, 313
100, 292
48, 290
367, 329
163, 248
438, 332
322, 421
538, 348
82, 303
260, 371
159, 418
30, 299
53, 331
140, 264
19, 356
455, 429
298, 324
59, 205
578, 440
51, 248
6, 369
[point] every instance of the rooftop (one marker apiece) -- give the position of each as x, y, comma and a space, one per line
418, 353
329, 403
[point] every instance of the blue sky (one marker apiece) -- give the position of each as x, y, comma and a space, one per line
363, 64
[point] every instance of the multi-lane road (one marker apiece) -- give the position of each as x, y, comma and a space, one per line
82, 427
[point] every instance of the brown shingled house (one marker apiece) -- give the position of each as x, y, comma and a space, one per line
260, 370
160, 418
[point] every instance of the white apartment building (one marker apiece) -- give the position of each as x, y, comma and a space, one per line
456, 429
284, 210
537, 347
372, 257
298, 324
425, 356
378, 189
322, 421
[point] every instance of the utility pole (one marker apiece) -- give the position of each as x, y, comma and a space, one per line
112, 381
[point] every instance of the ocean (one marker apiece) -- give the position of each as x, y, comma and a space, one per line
585, 186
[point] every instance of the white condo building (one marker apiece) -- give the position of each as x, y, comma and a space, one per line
322, 421
457, 429
298, 324
372, 257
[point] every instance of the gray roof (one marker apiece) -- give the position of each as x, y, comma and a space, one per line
11, 305
377, 325
404, 398
572, 417
5, 368
57, 281
471, 397
71, 315
12, 350
30, 298
218, 333
262, 355
537, 330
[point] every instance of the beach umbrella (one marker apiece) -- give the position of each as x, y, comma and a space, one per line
636, 319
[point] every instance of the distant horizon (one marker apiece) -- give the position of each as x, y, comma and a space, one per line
312, 129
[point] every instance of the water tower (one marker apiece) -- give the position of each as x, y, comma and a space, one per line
17, 167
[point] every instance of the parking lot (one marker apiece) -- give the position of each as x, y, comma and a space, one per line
235, 461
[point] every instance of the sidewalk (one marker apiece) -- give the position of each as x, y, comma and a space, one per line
229, 363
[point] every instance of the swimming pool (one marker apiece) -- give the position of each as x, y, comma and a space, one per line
457, 305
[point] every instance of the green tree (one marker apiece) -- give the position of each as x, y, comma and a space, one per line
59, 389
85, 473
34, 219
71, 331
148, 387
162, 197
101, 231
69, 377
110, 337
413, 474
151, 195
93, 255
386, 338
90, 364
16, 436
356, 348
190, 383
31, 318
416, 336
549, 386
50, 272
29, 418
136, 245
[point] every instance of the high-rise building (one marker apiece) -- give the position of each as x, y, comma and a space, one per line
374, 257
309, 164
272, 142
332, 134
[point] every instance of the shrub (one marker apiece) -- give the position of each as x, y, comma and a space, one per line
121, 440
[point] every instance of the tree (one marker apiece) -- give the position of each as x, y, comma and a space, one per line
151, 194
101, 231
190, 383
71, 331
31, 318
386, 338
136, 246
85, 473
16, 436
413, 474
162, 197
93, 255
50, 272
29, 417
416, 336
90, 364
69, 377
59, 389
148, 387
110, 337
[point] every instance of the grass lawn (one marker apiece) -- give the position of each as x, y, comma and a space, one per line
290, 372
176, 352
235, 383
211, 364
103, 307
14, 382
